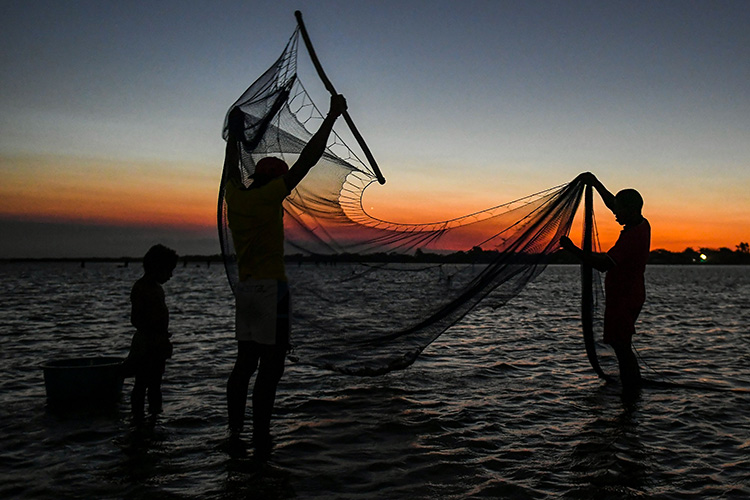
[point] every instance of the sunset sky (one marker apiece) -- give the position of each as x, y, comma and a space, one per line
111, 112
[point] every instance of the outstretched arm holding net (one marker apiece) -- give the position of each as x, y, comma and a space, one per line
591, 180
599, 261
315, 147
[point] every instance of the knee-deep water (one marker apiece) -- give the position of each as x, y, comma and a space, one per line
503, 405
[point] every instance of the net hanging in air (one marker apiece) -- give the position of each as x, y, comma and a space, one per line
370, 295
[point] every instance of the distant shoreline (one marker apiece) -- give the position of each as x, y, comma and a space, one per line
722, 256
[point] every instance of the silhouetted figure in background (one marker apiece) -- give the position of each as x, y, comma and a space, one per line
150, 347
255, 218
624, 284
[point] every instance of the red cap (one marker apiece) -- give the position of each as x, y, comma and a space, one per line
271, 167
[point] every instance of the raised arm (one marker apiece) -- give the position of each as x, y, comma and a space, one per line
314, 149
231, 153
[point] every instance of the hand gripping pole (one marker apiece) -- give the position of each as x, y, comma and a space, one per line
332, 90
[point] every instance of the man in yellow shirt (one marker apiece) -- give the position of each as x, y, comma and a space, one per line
255, 217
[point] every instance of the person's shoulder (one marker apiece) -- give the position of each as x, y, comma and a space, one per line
139, 284
274, 189
637, 227
233, 187
280, 185
145, 286
237, 195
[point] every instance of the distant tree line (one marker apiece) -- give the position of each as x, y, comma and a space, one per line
477, 255
740, 255
704, 256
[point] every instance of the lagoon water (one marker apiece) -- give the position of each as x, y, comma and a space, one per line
503, 405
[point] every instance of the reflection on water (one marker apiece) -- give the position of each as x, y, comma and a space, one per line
609, 457
504, 405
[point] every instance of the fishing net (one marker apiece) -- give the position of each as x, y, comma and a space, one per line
371, 295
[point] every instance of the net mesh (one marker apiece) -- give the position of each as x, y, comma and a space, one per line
371, 295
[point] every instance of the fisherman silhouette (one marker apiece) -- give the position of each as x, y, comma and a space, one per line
255, 218
624, 284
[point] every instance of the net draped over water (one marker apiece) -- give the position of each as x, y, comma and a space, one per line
430, 275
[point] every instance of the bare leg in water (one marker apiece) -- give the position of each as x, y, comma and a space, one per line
269, 361
630, 372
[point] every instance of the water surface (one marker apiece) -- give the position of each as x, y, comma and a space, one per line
503, 405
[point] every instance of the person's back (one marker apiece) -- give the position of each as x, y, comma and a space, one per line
150, 317
630, 253
255, 218
624, 283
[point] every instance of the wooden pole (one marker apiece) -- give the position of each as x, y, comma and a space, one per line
587, 293
332, 90
587, 277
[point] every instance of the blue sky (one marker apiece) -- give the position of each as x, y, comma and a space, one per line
474, 103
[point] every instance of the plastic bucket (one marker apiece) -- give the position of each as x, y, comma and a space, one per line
93, 380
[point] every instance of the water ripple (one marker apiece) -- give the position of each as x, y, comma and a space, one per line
504, 405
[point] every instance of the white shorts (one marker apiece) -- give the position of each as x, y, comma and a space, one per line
262, 311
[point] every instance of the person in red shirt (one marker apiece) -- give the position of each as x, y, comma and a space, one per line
624, 284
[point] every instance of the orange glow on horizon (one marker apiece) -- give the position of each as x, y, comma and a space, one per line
672, 228
106, 193
182, 196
